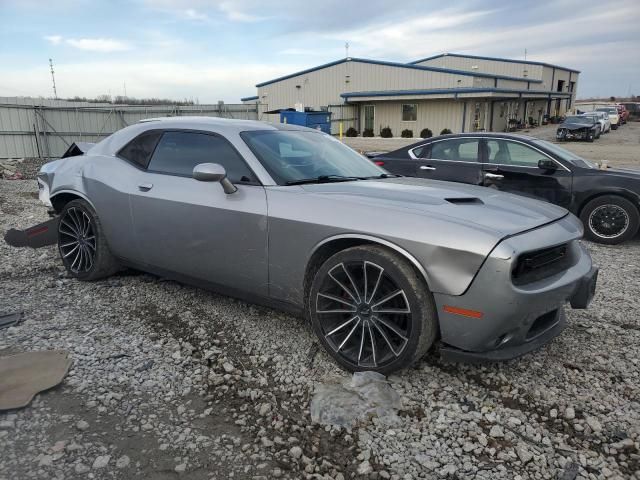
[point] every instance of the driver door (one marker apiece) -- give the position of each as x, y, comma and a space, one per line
193, 228
512, 166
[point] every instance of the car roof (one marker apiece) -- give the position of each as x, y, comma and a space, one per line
513, 136
217, 124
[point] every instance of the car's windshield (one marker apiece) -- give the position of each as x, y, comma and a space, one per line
608, 110
564, 154
579, 119
292, 156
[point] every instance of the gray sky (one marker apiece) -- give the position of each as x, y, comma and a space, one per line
218, 49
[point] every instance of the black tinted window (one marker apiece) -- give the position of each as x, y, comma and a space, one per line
460, 149
140, 149
178, 152
511, 153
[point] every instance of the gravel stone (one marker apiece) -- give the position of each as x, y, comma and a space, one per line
149, 382
82, 425
295, 452
101, 461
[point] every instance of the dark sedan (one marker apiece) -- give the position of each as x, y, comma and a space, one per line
606, 200
579, 127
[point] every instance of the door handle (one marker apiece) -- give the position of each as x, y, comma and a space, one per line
493, 176
424, 167
145, 187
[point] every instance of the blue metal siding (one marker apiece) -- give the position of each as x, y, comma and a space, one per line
493, 59
439, 91
398, 65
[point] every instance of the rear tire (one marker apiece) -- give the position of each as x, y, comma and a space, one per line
82, 244
610, 219
371, 311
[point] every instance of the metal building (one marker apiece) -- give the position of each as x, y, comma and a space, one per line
460, 92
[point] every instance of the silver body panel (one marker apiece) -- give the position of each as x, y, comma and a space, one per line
462, 239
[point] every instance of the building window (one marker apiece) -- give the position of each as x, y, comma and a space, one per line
409, 112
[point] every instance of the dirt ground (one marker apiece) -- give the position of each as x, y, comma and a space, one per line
621, 148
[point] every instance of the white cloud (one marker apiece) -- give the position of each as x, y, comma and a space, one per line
104, 45
208, 80
236, 14
192, 14
53, 39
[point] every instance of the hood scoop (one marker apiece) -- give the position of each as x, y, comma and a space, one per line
465, 201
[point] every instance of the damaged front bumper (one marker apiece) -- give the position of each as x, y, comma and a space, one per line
40, 235
512, 317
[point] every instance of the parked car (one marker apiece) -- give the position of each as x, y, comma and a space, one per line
579, 127
290, 217
614, 117
606, 200
603, 118
623, 113
634, 110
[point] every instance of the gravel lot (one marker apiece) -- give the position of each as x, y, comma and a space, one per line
619, 147
169, 381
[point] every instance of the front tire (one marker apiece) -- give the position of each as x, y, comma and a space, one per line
82, 244
610, 219
371, 311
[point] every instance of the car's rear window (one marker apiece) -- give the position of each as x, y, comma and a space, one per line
140, 149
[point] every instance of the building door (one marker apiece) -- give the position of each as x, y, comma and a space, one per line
369, 116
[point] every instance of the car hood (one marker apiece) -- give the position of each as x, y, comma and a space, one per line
575, 126
623, 172
502, 213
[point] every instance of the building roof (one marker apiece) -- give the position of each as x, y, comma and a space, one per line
495, 59
452, 91
248, 99
398, 65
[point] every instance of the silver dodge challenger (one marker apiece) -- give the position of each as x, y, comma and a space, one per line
381, 265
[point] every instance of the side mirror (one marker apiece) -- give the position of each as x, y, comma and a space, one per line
547, 164
213, 172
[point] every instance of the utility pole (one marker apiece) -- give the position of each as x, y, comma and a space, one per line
53, 79
346, 48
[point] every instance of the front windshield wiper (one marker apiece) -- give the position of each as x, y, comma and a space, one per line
323, 179
382, 175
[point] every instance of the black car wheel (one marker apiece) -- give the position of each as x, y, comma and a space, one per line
371, 311
81, 243
610, 219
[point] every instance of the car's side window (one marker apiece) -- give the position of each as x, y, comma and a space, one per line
178, 152
504, 152
461, 149
140, 149
421, 152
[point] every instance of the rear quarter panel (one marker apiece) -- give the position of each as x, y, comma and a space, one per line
104, 181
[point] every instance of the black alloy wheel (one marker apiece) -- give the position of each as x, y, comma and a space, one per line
610, 219
81, 243
370, 310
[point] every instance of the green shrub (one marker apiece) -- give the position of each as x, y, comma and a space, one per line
445, 131
426, 133
351, 132
386, 132
406, 133
368, 132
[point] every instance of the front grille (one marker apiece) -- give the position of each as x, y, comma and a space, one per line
538, 264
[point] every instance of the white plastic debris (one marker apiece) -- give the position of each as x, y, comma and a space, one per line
364, 395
